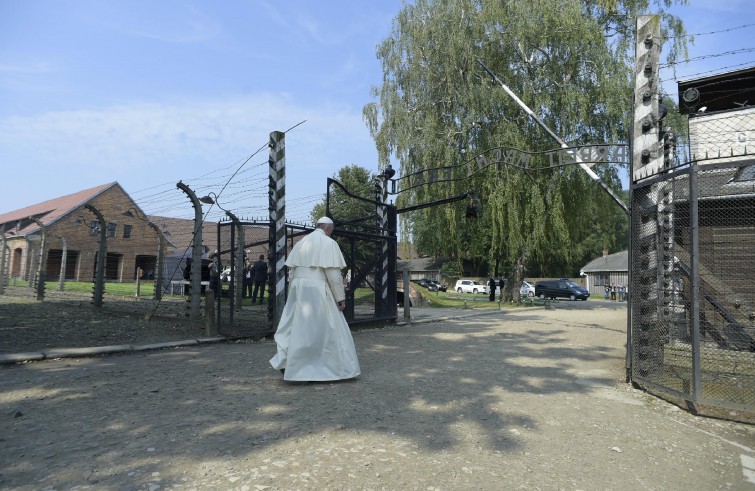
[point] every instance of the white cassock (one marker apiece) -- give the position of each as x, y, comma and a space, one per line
313, 338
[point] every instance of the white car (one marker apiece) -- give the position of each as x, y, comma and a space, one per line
527, 289
470, 286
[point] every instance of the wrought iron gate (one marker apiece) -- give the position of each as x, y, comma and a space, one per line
370, 255
241, 243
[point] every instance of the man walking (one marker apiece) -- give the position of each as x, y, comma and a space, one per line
246, 280
313, 340
259, 271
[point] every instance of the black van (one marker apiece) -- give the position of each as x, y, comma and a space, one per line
560, 289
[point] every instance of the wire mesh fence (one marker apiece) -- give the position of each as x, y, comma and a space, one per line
693, 283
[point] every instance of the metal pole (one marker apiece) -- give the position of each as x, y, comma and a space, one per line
407, 296
695, 281
238, 263
577, 156
99, 273
196, 253
62, 278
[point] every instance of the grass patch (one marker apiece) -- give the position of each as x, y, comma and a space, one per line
146, 289
451, 300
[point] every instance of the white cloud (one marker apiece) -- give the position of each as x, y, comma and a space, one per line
145, 144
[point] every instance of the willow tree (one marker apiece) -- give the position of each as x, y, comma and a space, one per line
570, 61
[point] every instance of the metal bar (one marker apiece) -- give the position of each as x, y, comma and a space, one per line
577, 157
695, 282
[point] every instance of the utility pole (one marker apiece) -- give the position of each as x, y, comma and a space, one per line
99, 273
196, 253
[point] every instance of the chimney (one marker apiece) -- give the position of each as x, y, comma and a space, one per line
605, 252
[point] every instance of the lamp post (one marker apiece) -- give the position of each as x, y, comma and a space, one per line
196, 253
99, 273
238, 265
160, 250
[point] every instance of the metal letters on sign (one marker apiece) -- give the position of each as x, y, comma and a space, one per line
506, 156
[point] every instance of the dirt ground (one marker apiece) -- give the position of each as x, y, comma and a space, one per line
526, 399
68, 320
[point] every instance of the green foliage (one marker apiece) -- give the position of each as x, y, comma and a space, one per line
452, 270
351, 213
571, 62
358, 181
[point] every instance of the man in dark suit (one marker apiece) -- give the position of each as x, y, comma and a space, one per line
259, 271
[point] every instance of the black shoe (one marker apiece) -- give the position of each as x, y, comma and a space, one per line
283, 371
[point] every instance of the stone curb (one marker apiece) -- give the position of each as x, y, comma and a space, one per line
426, 320
12, 358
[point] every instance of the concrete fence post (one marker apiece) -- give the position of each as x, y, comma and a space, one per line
277, 192
195, 302
62, 277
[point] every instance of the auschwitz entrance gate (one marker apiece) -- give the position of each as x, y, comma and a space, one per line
369, 278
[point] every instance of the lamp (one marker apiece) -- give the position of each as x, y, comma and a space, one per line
389, 171
209, 201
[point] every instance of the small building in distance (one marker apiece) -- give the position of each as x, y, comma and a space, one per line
609, 269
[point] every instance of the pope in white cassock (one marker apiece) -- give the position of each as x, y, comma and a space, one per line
313, 338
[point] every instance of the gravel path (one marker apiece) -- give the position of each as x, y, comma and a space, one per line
528, 400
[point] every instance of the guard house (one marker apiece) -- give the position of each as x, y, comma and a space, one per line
721, 111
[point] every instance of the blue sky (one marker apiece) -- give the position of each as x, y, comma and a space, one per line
146, 93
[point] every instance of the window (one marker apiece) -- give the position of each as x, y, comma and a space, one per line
111, 229
94, 228
745, 174
127, 231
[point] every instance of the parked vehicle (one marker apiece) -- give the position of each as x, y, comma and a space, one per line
425, 283
527, 289
470, 286
440, 287
562, 288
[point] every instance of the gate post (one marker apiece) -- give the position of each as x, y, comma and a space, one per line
277, 237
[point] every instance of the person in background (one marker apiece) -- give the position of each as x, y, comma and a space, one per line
313, 339
215, 269
491, 286
259, 271
247, 279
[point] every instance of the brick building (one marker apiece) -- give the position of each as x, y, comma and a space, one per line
69, 226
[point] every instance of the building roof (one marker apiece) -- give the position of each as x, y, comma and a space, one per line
612, 262
48, 211
723, 91
422, 264
180, 232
